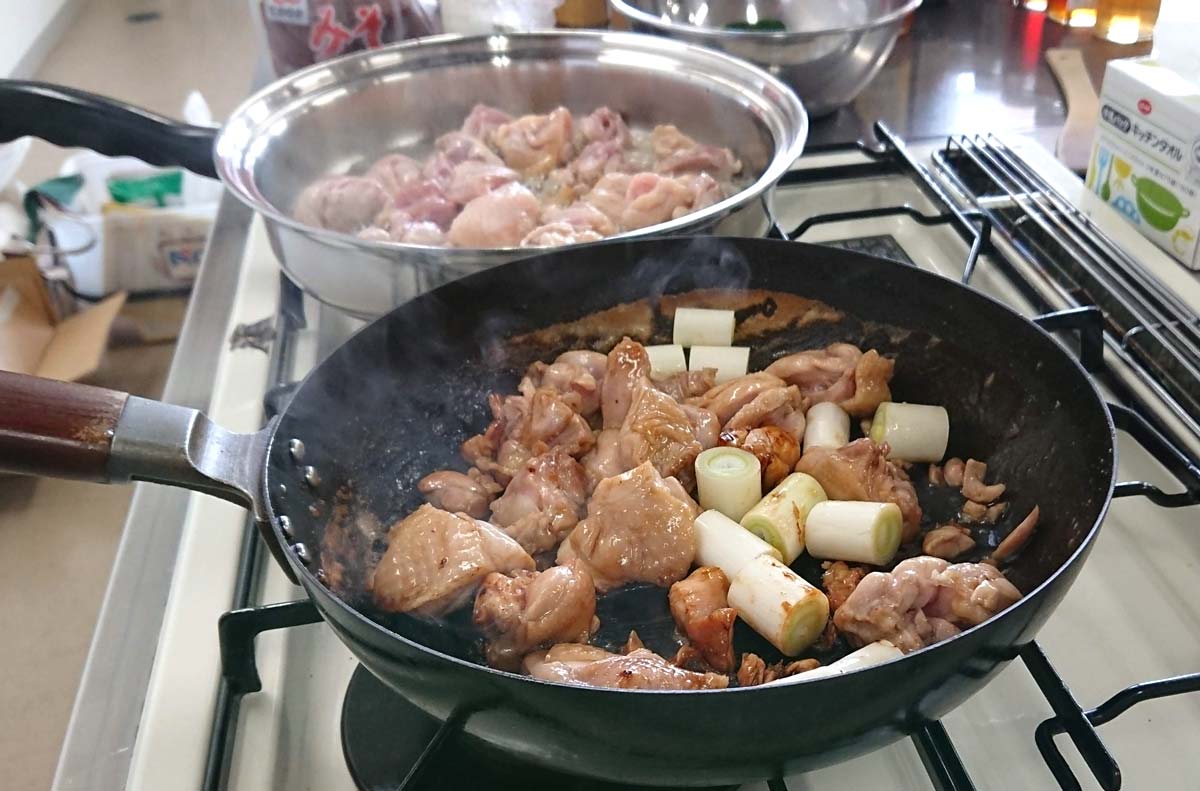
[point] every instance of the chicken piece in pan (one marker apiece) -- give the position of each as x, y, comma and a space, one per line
470, 492
840, 373
641, 668
544, 500
702, 612
861, 471
657, 429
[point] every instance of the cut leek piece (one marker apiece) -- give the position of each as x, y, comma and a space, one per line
730, 361
729, 480
703, 327
723, 543
869, 655
859, 532
914, 432
826, 426
779, 604
779, 517
666, 361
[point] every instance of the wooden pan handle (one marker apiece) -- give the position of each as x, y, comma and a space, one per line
56, 428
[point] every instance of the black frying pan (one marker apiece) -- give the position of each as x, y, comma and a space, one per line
340, 465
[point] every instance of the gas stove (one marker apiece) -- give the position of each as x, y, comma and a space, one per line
271, 699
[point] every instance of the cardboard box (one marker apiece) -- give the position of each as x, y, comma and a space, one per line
1146, 156
34, 341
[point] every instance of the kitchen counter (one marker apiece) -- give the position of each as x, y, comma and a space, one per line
970, 66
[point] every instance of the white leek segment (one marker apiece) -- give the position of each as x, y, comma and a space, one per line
872, 654
730, 361
779, 517
666, 361
779, 604
914, 432
826, 425
729, 480
723, 543
859, 532
703, 327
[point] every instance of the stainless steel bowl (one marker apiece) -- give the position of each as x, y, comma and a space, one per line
828, 51
339, 116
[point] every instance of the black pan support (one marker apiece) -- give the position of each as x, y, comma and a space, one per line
238, 628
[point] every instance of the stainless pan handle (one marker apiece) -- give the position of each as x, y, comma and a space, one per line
65, 430
77, 119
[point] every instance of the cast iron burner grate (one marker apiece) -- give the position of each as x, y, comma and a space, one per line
423, 758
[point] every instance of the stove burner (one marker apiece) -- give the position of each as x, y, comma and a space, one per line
384, 737
884, 246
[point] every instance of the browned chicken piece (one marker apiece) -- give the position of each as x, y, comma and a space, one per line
872, 373
828, 638
839, 580
544, 500
1017, 538
752, 671
995, 512
633, 643
636, 530
689, 657
947, 542
530, 610
777, 451
702, 612
577, 375
952, 472
435, 560
923, 600
687, 384
704, 425
628, 364
861, 471
535, 144
769, 408
457, 492
973, 511
524, 426
821, 374
657, 430
570, 663
604, 459
727, 398
936, 476
973, 487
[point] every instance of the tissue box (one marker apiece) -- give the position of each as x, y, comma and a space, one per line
1146, 156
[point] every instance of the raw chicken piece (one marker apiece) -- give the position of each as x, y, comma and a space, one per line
702, 612
581, 215
923, 600
570, 663
426, 233
435, 560
342, 203
501, 218
872, 373
424, 201
676, 153
395, 171
727, 398
776, 406
608, 196
861, 471
628, 364
776, 449
598, 158
472, 179
577, 373
535, 144
651, 199
839, 580
704, 188
453, 149
458, 492
524, 426
637, 530
544, 500
687, 384
530, 610
559, 233
841, 373
657, 430
604, 460
602, 124
374, 234
947, 542
704, 426
483, 120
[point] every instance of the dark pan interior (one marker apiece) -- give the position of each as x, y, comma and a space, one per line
397, 400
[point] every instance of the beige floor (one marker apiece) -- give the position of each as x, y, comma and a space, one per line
57, 539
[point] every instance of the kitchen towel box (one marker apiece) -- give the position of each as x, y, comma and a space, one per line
1146, 157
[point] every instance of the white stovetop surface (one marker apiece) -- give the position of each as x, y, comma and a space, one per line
1131, 616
